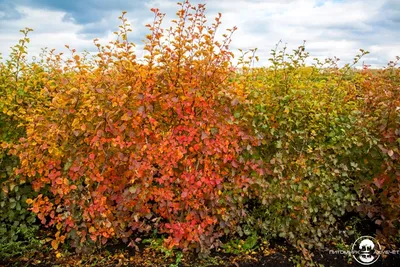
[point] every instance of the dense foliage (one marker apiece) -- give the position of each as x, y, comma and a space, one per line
324, 146
185, 145
19, 82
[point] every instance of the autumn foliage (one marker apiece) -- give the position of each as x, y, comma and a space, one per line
182, 144
381, 101
124, 147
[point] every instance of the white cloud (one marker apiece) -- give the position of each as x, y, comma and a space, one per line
331, 28
49, 31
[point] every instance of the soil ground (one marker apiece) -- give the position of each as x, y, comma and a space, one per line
114, 256
277, 254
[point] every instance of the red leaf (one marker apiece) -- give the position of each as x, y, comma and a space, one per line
234, 164
75, 168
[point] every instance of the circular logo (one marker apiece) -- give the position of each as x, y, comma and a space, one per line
366, 250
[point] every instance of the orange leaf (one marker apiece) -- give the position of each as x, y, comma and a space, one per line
55, 244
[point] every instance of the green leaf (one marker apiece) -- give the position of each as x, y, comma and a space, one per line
279, 144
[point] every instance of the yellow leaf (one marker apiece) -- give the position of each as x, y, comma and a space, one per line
5, 189
4, 145
125, 117
74, 90
75, 123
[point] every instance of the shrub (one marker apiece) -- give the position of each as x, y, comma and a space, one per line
186, 146
314, 146
380, 90
18, 87
124, 146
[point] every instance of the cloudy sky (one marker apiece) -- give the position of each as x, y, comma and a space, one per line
331, 28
